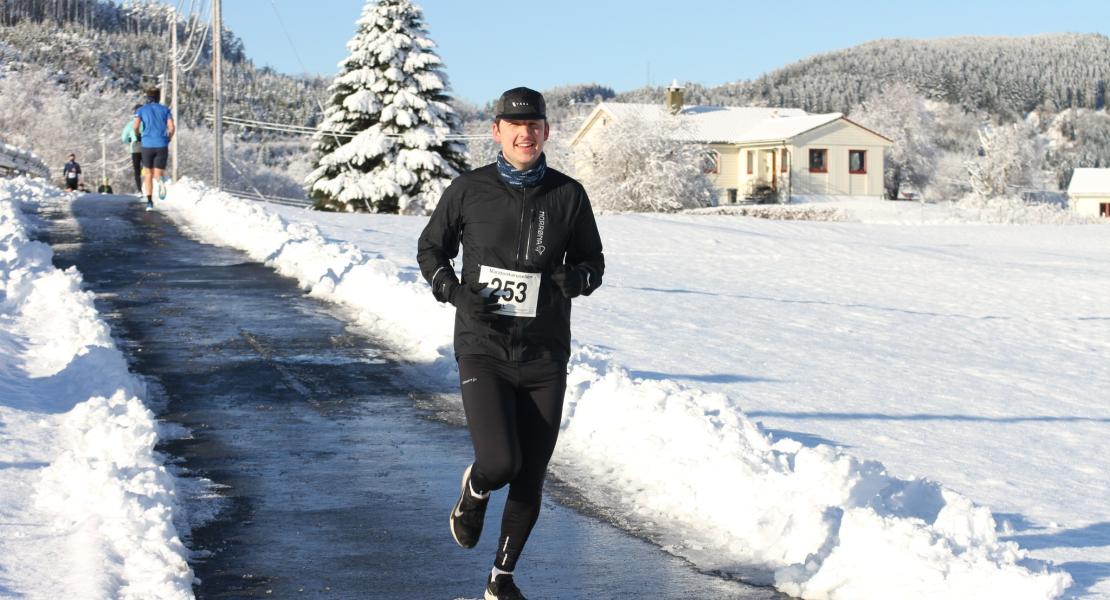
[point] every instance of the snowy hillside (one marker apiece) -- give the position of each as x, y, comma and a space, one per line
1007, 76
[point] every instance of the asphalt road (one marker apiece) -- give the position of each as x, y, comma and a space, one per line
307, 468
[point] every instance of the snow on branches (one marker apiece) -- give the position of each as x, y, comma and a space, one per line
639, 165
1009, 161
900, 113
382, 145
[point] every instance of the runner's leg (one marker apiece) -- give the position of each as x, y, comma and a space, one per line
148, 176
539, 409
137, 166
490, 405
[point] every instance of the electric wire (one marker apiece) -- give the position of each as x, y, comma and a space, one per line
303, 130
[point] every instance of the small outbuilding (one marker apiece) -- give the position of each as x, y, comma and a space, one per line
1089, 192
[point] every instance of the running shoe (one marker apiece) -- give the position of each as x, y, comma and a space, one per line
503, 588
469, 514
161, 188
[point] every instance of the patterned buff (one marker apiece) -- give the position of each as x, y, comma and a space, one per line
521, 179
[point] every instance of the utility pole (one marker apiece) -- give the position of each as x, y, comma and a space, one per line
173, 97
103, 157
217, 89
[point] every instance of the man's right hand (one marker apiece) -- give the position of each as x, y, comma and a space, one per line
474, 304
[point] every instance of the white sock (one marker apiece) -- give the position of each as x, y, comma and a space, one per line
470, 486
495, 572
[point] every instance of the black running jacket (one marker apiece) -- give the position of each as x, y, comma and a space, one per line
532, 230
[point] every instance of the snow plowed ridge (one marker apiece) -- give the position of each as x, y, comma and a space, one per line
685, 465
93, 505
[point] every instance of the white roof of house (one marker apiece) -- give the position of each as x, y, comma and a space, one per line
729, 124
1090, 181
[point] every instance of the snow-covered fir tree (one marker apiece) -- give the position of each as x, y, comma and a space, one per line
391, 96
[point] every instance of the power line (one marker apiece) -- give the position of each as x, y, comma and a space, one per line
303, 130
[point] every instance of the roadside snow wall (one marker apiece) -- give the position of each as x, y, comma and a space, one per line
94, 503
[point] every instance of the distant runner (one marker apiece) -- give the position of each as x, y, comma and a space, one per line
156, 124
530, 244
133, 139
72, 173
105, 187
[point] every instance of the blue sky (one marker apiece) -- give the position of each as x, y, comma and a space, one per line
492, 45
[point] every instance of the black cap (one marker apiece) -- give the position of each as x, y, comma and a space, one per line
520, 104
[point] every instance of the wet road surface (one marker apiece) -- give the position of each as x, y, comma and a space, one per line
326, 479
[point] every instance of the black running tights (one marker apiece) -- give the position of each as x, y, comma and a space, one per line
137, 167
513, 410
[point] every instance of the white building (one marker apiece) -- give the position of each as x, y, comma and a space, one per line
1089, 192
761, 152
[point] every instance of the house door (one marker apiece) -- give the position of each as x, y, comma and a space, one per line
769, 171
1104, 209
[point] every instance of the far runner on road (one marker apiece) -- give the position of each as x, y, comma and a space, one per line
72, 173
530, 245
156, 124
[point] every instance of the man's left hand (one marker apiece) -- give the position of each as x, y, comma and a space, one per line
570, 280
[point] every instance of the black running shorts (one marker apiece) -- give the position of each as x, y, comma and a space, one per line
155, 158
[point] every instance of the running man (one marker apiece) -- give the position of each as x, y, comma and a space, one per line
156, 124
530, 245
71, 172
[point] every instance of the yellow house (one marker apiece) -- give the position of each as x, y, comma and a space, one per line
764, 153
1089, 192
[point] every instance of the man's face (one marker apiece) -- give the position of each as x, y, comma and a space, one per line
72, 157
521, 141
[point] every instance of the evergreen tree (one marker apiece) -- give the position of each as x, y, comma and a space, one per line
391, 96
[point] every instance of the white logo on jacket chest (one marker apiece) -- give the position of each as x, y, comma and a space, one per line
540, 248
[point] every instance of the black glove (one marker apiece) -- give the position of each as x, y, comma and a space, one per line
569, 280
473, 303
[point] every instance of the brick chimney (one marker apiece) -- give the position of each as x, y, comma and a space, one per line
674, 97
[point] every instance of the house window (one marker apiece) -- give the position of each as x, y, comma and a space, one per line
818, 160
857, 161
782, 161
732, 195
711, 162
1104, 209
751, 162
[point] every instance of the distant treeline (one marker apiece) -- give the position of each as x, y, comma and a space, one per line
1007, 77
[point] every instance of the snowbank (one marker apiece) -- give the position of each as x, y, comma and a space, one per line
87, 506
688, 467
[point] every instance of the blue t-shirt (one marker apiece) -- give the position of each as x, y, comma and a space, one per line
154, 117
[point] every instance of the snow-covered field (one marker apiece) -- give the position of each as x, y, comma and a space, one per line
86, 507
835, 408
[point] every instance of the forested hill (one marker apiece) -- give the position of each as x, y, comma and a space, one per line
96, 43
1003, 76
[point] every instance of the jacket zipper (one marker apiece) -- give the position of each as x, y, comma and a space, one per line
516, 343
531, 230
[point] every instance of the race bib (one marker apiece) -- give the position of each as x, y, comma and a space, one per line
72, 174
516, 291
